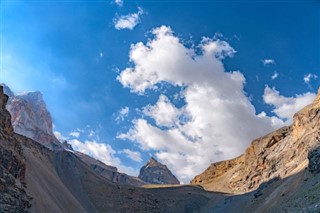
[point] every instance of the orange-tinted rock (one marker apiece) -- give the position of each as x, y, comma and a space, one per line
277, 155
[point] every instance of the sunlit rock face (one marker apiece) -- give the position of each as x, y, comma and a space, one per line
279, 154
30, 117
156, 173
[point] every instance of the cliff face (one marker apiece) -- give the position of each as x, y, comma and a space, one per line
156, 173
31, 118
14, 197
277, 155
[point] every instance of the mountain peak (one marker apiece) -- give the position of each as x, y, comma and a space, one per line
152, 162
31, 118
156, 173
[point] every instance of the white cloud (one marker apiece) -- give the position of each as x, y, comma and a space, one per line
135, 156
275, 75
128, 21
307, 78
122, 114
217, 121
119, 2
59, 136
102, 152
164, 112
74, 134
268, 61
285, 107
166, 59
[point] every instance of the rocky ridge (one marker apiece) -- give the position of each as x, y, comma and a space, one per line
279, 154
156, 173
31, 118
111, 173
59, 181
14, 197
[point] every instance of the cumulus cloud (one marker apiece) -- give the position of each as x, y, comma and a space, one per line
59, 136
135, 156
217, 121
102, 152
275, 75
285, 107
181, 64
268, 61
163, 112
128, 21
122, 114
119, 2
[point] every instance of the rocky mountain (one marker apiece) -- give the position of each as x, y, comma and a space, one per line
279, 154
156, 173
34, 178
13, 193
31, 118
279, 172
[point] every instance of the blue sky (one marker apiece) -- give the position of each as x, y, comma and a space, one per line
77, 53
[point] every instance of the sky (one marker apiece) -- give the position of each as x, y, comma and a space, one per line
187, 82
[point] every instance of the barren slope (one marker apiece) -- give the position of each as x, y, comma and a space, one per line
277, 155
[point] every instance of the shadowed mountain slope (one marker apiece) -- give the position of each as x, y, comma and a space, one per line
37, 179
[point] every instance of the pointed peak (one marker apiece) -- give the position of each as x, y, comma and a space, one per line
152, 159
152, 162
157, 173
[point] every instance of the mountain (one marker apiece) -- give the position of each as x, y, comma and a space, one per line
280, 154
109, 172
31, 118
279, 172
156, 173
34, 178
